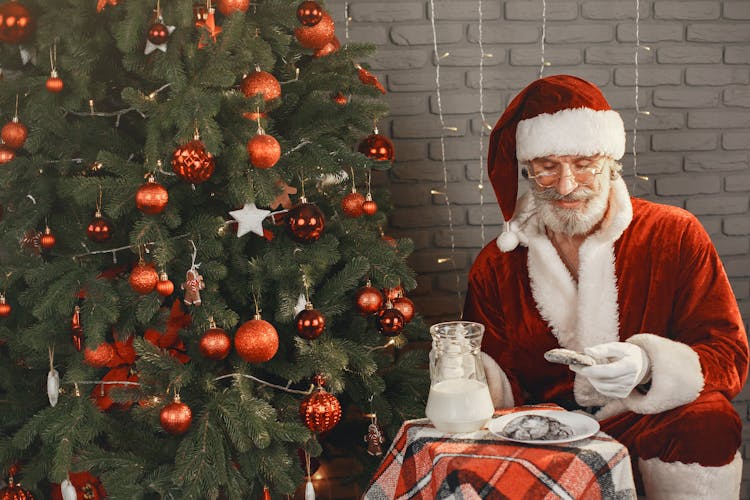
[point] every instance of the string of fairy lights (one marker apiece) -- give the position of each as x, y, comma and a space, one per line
482, 118
638, 111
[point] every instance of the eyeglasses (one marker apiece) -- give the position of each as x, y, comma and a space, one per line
547, 173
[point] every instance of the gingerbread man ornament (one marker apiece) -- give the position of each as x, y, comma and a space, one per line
193, 285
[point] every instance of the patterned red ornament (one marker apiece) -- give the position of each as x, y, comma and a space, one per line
377, 147
320, 411
229, 7
369, 207
164, 286
261, 82
99, 229
158, 34
14, 491
151, 198
4, 307
309, 13
264, 150
340, 99
390, 321
305, 222
351, 204
47, 241
215, 343
316, 37
192, 162
54, 83
16, 23
143, 278
392, 294
405, 306
175, 418
256, 341
310, 322
14, 133
100, 356
368, 300
328, 49
76, 329
6, 154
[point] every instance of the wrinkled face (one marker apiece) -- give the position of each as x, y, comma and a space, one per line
572, 192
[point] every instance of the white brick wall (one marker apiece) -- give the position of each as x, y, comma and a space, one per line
694, 147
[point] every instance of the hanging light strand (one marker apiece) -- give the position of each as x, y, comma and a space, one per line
482, 119
544, 36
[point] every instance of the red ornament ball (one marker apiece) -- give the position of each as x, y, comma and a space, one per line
340, 99
305, 222
14, 134
392, 294
369, 207
151, 198
309, 13
390, 322
143, 278
100, 356
389, 240
158, 34
368, 300
261, 82
405, 306
264, 151
229, 7
87, 486
16, 23
328, 49
317, 36
320, 411
14, 492
377, 147
192, 162
256, 341
4, 307
54, 83
99, 229
164, 286
176, 417
310, 323
351, 204
215, 344
6, 154
47, 241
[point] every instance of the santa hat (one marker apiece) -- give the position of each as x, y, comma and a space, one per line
556, 115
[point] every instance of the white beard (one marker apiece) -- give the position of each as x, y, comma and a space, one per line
574, 221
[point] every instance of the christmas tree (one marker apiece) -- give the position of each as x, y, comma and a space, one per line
186, 260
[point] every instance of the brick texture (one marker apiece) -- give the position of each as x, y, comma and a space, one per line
693, 145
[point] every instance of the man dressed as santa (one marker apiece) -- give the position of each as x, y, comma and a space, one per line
638, 286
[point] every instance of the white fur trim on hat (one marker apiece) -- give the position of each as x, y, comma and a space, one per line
578, 131
681, 481
676, 375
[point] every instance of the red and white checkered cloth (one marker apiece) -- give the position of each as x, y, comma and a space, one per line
424, 463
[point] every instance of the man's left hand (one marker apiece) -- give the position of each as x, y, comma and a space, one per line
626, 366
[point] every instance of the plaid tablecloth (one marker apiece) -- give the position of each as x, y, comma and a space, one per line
424, 463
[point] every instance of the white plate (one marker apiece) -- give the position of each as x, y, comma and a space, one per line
583, 426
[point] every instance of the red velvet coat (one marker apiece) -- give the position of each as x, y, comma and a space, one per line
650, 276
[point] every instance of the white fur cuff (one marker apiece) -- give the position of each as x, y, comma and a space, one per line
498, 383
676, 375
680, 481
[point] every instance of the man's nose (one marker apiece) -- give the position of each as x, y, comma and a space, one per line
566, 184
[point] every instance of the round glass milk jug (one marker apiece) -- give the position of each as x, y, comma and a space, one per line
459, 399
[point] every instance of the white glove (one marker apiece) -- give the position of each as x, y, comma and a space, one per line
626, 366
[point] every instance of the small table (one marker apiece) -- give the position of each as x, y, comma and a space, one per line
425, 463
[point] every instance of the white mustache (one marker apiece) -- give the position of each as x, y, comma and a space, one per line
580, 193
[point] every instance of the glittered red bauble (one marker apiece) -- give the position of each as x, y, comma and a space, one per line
390, 322
151, 198
392, 294
369, 300
264, 151
229, 7
316, 37
47, 240
158, 34
192, 162
100, 356
4, 307
405, 306
309, 13
320, 411
164, 286
54, 83
99, 229
6, 154
16, 23
310, 323
175, 418
340, 99
328, 49
143, 278
369, 207
377, 147
305, 222
351, 204
215, 344
14, 134
261, 82
14, 492
256, 341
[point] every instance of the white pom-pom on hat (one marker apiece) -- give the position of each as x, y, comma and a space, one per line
508, 239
